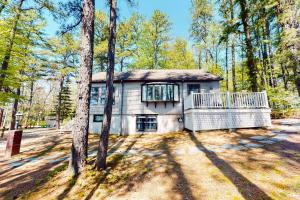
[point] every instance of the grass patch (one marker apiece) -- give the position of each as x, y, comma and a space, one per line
57, 170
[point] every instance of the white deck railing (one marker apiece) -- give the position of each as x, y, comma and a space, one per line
227, 100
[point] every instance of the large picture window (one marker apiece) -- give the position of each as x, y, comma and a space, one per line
160, 92
146, 123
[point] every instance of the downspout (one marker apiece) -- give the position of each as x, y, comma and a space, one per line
121, 110
183, 116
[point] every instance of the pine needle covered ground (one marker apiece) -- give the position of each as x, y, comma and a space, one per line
247, 164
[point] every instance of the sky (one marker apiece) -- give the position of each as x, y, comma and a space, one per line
177, 10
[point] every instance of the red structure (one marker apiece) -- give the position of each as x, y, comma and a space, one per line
13, 144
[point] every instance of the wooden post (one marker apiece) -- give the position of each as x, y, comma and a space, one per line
193, 106
266, 98
192, 95
231, 129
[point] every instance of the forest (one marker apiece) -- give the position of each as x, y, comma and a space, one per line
254, 45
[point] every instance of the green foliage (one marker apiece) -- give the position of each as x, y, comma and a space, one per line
154, 42
100, 42
179, 56
65, 108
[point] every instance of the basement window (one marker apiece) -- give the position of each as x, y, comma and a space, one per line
146, 123
98, 118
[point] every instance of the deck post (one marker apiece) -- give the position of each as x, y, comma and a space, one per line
193, 106
192, 98
266, 98
230, 128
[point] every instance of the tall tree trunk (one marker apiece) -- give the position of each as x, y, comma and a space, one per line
261, 60
242, 58
10, 42
1, 116
58, 110
270, 51
226, 63
199, 58
249, 48
266, 58
81, 120
30, 103
284, 77
15, 110
233, 63
122, 64
103, 142
232, 48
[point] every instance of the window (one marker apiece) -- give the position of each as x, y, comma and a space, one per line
94, 95
160, 92
98, 95
98, 118
195, 88
102, 95
146, 123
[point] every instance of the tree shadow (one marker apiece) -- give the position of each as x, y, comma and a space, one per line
111, 165
71, 184
23, 182
247, 189
287, 150
117, 144
181, 182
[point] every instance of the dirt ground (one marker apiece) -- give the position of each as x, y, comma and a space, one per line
207, 165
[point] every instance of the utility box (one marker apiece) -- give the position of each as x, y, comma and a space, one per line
13, 144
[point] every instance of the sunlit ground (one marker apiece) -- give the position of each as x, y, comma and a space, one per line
208, 165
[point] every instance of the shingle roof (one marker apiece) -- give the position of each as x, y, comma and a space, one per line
159, 75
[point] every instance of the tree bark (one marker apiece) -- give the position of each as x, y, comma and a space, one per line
271, 62
226, 63
284, 77
199, 59
249, 48
58, 110
29, 102
103, 142
15, 110
1, 116
10, 43
81, 120
232, 48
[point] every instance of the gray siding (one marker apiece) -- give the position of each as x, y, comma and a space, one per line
168, 113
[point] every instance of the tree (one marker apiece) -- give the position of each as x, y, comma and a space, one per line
201, 20
81, 121
10, 41
179, 56
103, 142
101, 41
244, 14
3, 4
63, 104
153, 43
63, 52
127, 39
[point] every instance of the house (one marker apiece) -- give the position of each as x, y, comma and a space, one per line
161, 101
